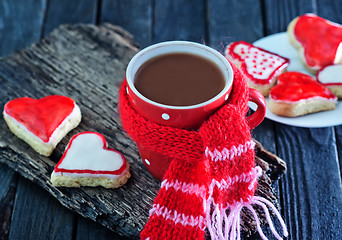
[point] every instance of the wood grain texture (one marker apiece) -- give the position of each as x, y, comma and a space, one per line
8, 179
51, 221
7, 176
66, 12
87, 229
338, 132
312, 186
90, 73
87, 63
310, 192
174, 20
278, 14
266, 136
15, 33
134, 15
23, 29
234, 20
330, 9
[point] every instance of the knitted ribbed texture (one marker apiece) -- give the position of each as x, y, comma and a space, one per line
212, 175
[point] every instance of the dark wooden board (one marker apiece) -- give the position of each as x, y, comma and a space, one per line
278, 14
88, 11
54, 12
174, 20
60, 67
15, 33
7, 193
312, 185
310, 192
87, 63
88, 229
331, 10
338, 131
23, 29
66, 11
33, 224
134, 15
230, 21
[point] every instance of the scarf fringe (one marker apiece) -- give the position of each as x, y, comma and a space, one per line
227, 227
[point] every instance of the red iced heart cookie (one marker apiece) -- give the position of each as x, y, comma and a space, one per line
318, 41
40, 116
296, 86
87, 161
42, 123
260, 66
331, 77
298, 94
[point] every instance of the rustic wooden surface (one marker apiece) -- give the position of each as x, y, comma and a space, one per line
310, 193
87, 63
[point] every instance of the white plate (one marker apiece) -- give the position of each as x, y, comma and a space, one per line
278, 43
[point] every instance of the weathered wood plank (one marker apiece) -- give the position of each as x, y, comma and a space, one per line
309, 189
330, 9
7, 193
338, 133
278, 14
38, 216
265, 134
87, 229
234, 20
20, 24
66, 63
175, 20
312, 186
133, 15
67, 12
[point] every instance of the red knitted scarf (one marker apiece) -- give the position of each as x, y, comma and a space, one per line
212, 175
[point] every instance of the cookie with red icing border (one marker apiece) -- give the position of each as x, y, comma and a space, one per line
318, 40
87, 161
260, 66
331, 77
42, 123
297, 94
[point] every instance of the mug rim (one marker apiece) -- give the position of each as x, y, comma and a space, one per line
218, 55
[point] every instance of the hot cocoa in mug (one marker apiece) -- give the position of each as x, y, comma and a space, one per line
179, 79
180, 84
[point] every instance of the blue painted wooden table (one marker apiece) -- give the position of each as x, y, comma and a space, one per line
310, 193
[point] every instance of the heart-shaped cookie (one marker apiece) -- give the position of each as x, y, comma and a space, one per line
299, 94
42, 123
87, 161
318, 40
259, 65
331, 77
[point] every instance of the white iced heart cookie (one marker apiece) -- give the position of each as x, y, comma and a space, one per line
260, 66
87, 161
331, 77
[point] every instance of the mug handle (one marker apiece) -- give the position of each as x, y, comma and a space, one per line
258, 116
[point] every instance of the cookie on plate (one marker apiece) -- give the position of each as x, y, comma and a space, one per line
298, 94
260, 66
331, 77
317, 40
87, 161
42, 123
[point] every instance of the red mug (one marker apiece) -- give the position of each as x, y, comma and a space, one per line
188, 117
